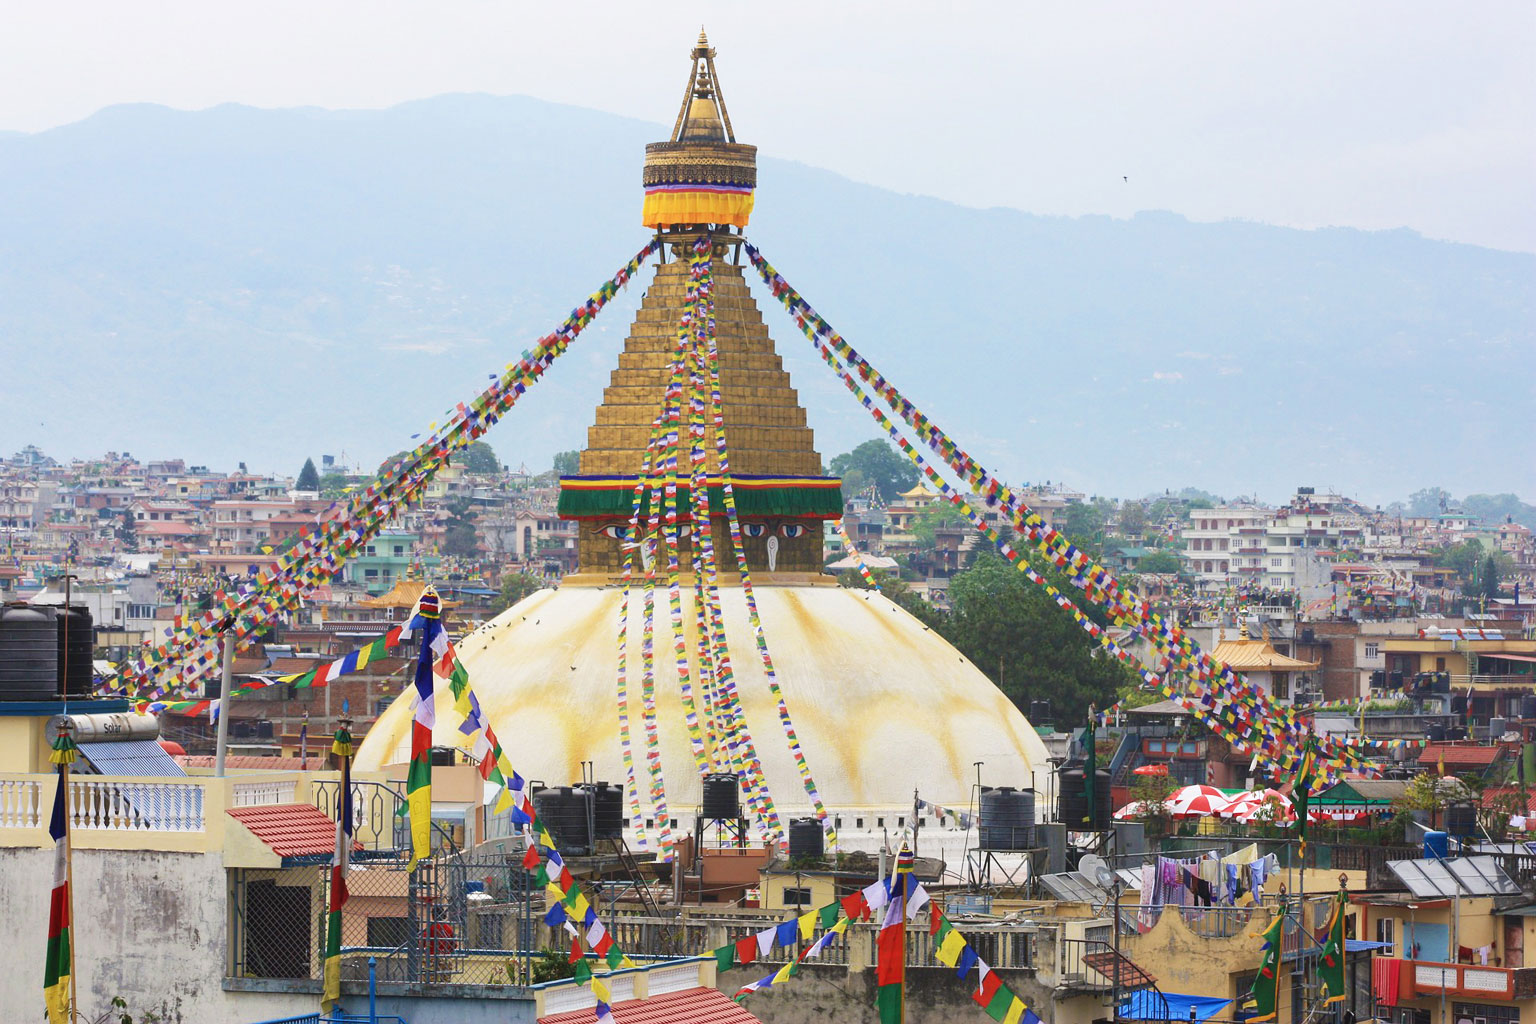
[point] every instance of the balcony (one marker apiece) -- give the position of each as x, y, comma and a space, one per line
1473, 981
1494, 682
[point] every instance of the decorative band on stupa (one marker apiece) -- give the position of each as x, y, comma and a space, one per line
702, 175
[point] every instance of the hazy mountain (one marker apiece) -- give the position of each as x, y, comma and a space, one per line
267, 285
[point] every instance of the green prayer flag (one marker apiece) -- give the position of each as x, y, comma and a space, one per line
725, 957
998, 1006
827, 915
581, 972
1330, 968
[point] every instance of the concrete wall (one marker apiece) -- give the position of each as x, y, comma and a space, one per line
149, 927
823, 992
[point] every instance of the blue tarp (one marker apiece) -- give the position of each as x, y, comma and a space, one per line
1145, 1005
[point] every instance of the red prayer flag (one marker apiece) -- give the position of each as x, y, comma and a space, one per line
746, 950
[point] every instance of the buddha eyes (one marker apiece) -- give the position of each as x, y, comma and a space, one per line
617, 531
754, 529
787, 530
792, 530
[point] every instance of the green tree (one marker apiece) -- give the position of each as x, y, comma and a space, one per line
1084, 523
1011, 630
567, 463
932, 518
1463, 559
128, 532
514, 587
1428, 501
309, 477
1160, 560
1488, 579
479, 457
879, 463
1133, 518
461, 537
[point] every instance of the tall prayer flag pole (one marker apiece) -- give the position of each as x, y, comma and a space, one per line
59, 961
891, 964
341, 746
418, 779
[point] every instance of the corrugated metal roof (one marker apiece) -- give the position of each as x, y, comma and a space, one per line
131, 757
690, 1006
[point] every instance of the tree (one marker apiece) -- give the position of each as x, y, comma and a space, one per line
1428, 501
309, 477
514, 587
876, 462
1160, 560
461, 538
567, 463
1084, 523
1011, 630
935, 517
479, 457
1133, 518
1463, 559
128, 533
1488, 579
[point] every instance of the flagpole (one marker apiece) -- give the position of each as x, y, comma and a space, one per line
69, 887
221, 741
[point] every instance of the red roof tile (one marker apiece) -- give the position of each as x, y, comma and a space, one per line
691, 1006
253, 762
290, 830
1458, 755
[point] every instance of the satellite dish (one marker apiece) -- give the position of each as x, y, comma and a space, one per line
1094, 867
1105, 877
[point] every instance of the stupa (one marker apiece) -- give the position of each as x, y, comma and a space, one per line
882, 706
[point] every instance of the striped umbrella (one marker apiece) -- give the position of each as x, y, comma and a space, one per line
1197, 802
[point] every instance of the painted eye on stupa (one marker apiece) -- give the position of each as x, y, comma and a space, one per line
755, 529
618, 531
792, 530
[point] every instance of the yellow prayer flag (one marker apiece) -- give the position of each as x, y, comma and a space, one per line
948, 952
784, 972
1015, 1011
504, 801
808, 924
600, 989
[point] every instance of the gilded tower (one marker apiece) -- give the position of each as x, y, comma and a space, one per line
700, 183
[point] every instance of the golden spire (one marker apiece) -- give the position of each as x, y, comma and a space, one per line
703, 117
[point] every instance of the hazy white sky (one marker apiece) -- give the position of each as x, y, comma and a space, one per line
1372, 115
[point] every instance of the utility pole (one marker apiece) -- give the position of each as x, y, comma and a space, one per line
221, 743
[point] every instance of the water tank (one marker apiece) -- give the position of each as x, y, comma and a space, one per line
1455, 732
81, 640
1442, 683
443, 757
1436, 846
1461, 819
1039, 712
1378, 679
1458, 704
1395, 680
563, 811
805, 839
125, 725
1008, 819
607, 810
1435, 733
722, 797
29, 653
1528, 706
1072, 809
1497, 727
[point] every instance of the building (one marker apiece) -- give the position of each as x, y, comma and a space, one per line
545, 669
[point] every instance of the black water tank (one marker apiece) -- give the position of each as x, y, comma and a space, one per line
607, 811
1073, 806
722, 797
1528, 706
443, 757
81, 639
1461, 819
29, 652
1458, 704
1395, 680
1008, 818
806, 839
1435, 733
1378, 679
564, 812
1039, 712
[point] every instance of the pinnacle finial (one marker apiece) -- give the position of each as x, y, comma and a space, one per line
701, 48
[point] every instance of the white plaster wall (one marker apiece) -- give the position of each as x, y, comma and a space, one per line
148, 927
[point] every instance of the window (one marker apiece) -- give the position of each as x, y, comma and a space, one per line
141, 611
389, 932
1282, 685
370, 550
795, 897
1372, 650
370, 574
1276, 562
858, 822
1486, 1013
399, 550
1386, 929
879, 823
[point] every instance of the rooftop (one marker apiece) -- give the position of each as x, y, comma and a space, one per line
290, 830
690, 1006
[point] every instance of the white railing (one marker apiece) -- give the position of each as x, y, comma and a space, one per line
21, 803
262, 794
118, 806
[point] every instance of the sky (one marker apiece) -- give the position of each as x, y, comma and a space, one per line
1370, 115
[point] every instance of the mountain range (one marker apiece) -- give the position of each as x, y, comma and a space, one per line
238, 284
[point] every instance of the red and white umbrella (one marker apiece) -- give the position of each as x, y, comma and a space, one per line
1140, 809
1197, 802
